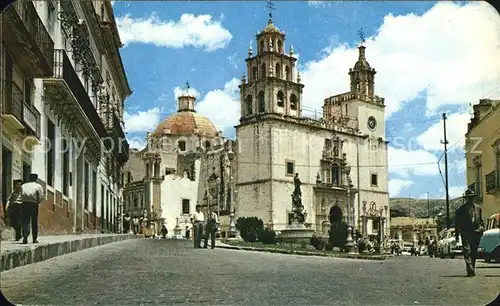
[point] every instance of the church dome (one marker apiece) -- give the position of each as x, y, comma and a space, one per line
186, 123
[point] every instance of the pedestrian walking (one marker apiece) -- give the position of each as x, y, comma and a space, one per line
211, 229
14, 209
164, 231
126, 224
32, 195
135, 225
198, 219
469, 224
188, 232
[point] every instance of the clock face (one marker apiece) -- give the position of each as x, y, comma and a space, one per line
372, 123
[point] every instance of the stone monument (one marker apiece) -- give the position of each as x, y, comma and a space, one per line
297, 230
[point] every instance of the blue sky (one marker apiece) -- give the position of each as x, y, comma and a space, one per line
428, 57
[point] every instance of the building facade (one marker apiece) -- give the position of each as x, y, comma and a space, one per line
79, 149
341, 159
186, 162
483, 155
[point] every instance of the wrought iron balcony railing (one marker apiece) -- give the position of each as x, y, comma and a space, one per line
492, 181
26, 27
14, 104
31, 118
65, 71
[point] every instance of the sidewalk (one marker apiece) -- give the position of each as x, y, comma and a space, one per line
304, 252
15, 254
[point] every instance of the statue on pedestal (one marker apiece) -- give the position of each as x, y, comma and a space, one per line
297, 207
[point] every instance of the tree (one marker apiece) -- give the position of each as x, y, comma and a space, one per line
250, 228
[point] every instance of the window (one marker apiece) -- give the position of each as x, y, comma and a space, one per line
263, 70
147, 170
374, 180
346, 110
156, 170
287, 73
207, 144
27, 91
249, 105
185, 206
136, 202
86, 185
129, 177
290, 168
182, 145
254, 73
262, 102
280, 47
281, 98
51, 150
293, 102
261, 46
94, 193
278, 71
65, 166
335, 175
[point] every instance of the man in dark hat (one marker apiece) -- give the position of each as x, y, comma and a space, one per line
469, 224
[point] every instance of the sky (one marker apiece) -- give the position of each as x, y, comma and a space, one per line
430, 58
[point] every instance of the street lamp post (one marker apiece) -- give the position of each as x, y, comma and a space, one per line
351, 246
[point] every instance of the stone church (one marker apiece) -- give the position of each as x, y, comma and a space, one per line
341, 159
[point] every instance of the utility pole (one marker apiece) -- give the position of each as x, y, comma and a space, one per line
445, 142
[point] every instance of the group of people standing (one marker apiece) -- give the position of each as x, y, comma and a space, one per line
204, 228
22, 208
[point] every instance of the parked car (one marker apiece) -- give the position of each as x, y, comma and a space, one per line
489, 246
447, 245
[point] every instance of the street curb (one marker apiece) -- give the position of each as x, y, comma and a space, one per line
42, 252
305, 253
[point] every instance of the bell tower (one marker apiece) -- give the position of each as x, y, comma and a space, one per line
363, 77
273, 84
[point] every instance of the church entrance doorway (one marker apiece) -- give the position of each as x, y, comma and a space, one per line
335, 214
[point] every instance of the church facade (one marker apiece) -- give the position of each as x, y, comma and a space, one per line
341, 159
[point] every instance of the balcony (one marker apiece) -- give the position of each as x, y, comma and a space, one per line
116, 136
27, 39
493, 182
71, 103
477, 188
13, 107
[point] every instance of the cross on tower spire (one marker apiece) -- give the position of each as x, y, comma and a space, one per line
270, 6
361, 35
187, 86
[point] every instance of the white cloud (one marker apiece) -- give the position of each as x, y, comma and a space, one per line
222, 107
142, 121
137, 143
317, 3
456, 191
447, 58
397, 185
406, 163
456, 127
198, 31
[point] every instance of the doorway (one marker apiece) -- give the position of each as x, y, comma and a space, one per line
335, 214
6, 175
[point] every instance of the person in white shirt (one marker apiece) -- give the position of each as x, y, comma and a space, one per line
198, 219
211, 229
32, 194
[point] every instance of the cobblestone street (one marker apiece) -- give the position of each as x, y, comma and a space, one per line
146, 271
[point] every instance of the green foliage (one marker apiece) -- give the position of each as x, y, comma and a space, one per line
361, 245
268, 236
250, 228
317, 242
338, 234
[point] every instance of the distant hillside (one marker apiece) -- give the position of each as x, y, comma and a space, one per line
421, 208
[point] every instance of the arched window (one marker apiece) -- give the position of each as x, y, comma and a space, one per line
156, 169
254, 73
293, 102
182, 145
261, 47
129, 177
263, 70
207, 144
281, 98
280, 47
287, 73
346, 110
249, 105
278, 71
262, 102
335, 175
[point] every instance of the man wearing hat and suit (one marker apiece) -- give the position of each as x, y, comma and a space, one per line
469, 224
